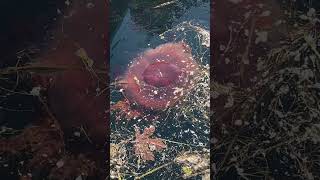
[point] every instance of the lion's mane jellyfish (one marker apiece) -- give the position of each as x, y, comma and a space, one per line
159, 77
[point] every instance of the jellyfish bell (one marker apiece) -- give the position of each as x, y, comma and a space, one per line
159, 77
161, 74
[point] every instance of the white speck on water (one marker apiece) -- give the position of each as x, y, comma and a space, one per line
238, 122
67, 2
262, 36
246, 32
222, 47
90, 5
35, 91
178, 90
311, 12
60, 163
77, 134
265, 13
227, 60
230, 102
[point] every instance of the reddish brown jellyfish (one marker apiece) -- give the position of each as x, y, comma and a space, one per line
159, 77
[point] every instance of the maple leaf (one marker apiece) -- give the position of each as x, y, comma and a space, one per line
144, 145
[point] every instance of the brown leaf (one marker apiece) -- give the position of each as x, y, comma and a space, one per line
144, 145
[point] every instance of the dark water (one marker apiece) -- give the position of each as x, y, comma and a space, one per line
138, 27
25, 24
25, 29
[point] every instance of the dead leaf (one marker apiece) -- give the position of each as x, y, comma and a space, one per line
144, 145
85, 58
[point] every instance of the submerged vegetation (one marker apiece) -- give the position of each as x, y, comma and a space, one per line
268, 128
174, 142
273, 127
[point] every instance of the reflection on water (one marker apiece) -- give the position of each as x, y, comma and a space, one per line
139, 25
155, 17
